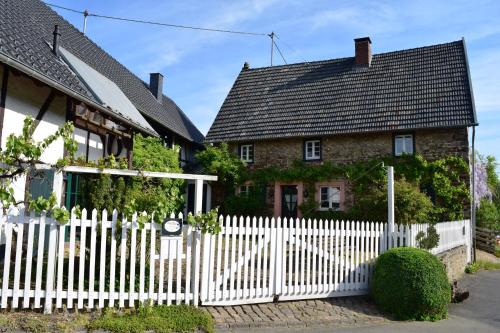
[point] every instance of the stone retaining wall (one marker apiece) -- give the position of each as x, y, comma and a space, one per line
455, 261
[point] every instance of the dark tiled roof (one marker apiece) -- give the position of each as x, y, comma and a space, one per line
27, 25
425, 87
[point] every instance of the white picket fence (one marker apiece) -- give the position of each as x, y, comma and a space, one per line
256, 260
451, 234
91, 262
101, 263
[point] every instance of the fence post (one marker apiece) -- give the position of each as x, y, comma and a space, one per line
390, 204
51, 267
198, 207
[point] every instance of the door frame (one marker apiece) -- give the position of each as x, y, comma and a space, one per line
277, 196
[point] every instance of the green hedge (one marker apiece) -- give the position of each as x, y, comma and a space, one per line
411, 283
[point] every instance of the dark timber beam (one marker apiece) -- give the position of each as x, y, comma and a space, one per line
3, 98
43, 110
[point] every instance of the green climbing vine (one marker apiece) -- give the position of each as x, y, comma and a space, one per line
21, 155
426, 190
157, 197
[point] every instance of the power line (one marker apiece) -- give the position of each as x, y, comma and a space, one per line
292, 49
86, 14
65, 8
279, 51
180, 26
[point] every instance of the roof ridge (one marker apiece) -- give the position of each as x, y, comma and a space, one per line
315, 62
418, 48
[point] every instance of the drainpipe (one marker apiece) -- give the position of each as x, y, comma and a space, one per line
473, 210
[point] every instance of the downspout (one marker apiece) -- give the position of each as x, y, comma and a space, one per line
473, 210
473, 182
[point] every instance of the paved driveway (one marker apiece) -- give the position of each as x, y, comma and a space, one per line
478, 314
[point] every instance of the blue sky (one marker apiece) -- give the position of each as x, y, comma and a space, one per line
200, 67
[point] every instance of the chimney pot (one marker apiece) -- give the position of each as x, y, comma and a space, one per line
55, 42
363, 51
156, 85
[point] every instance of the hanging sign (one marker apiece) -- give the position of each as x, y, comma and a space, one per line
171, 227
171, 232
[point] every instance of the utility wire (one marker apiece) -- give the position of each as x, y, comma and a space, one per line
292, 49
157, 23
65, 8
281, 54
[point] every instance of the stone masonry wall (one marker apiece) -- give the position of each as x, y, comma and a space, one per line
344, 149
455, 261
431, 144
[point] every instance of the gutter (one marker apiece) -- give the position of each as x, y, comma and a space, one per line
43, 78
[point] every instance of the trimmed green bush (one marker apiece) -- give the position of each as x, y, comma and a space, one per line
411, 283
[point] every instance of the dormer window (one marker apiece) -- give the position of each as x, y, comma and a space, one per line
403, 144
312, 150
246, 153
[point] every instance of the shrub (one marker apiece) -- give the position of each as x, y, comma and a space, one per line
221, 161
410, 204
411, 283
488, 215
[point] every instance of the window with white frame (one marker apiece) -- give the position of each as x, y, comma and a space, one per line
245, 190
312, 150
329, 198
403, 144
246, 153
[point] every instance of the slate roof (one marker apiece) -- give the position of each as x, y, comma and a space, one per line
426, 87
27, 25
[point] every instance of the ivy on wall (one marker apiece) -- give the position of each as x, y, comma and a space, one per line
426, 191
160, 196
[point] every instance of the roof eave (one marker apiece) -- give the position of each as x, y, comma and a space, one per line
471, 91
265, 138
56, 85
150, 118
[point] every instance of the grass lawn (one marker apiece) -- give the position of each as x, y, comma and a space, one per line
36, 322
159, 319
481, 264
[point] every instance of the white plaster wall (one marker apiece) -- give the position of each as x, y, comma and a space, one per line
25, 98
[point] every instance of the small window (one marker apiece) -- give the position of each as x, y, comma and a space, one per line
246, 153
245, 190
329, 198
312, 150
403, 144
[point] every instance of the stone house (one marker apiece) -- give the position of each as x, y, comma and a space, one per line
348, 110
52, 72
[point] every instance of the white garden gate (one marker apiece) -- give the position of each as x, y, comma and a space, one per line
95, 262
263, 260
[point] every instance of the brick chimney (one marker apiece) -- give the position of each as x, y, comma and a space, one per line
363, 50
156, 85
